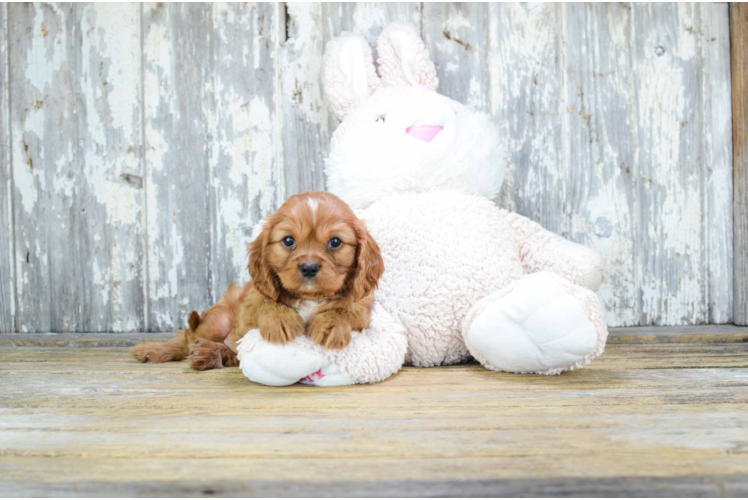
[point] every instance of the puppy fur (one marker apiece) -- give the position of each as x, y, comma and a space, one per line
313, 229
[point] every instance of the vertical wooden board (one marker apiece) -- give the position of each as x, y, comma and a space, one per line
739, 67
305, 116
716, 139
457, 37
42, 101
526, 100
246, 152
600, 147
75, 122
177, 67
112, 261
7, 276
307, 124
670, 177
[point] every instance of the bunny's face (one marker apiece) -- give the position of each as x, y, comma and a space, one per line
398, 134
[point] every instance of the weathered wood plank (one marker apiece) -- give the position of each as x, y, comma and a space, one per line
671, 172
526, 98
113, 170
7, 275
95, 418
599, 124
178, 108
35, 280
457, 37
691, 355
678, 334
716, 143
305, 117
739, 65
75, 121
628, 335
628, 486
246, 162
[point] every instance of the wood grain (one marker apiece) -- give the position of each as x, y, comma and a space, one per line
457, 37
77, 175
627, 486
716, 153
91, 419
178, 107
739, 64
526, 99
600, 120
671, 179
305, 117
7, 274
246, 155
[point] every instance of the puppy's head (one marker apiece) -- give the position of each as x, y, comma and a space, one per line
314, 247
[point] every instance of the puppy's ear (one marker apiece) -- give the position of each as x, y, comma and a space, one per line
369, 263
263, 278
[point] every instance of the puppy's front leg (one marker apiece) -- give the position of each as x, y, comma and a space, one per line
331, 328
277, 322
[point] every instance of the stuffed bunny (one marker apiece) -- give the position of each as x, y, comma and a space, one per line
463, 278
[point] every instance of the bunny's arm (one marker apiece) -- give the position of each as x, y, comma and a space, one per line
540, 249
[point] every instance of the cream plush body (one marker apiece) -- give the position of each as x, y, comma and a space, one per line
463, 279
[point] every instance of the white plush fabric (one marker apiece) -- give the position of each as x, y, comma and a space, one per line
462, 278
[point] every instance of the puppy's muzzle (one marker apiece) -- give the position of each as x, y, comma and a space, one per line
309, 269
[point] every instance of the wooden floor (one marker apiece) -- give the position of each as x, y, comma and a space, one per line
669, 418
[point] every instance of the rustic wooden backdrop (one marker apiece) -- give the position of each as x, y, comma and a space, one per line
140, 143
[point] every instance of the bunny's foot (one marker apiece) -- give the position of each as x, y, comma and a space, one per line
541, 324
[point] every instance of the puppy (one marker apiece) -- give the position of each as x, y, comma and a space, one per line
314, 267
204, 339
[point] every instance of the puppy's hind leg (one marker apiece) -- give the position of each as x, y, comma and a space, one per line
208, 355
161, 352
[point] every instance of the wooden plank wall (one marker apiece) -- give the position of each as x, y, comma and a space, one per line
7, 277
739, 65
141, 142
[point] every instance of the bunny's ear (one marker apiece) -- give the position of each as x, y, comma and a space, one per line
348, 74
403, 58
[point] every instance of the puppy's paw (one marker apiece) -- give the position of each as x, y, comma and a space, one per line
330, 331
207, 355
282, 326
156, 352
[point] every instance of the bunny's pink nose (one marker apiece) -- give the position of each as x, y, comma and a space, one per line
420, 89
424, 133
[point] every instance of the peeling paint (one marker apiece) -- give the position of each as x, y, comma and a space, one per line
639, 169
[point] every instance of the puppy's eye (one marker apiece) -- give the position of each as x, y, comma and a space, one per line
334, 243
379, 119
289, 242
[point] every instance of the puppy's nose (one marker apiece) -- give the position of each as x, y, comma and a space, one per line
309, 269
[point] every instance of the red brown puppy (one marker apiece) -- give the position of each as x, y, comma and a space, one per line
314, 268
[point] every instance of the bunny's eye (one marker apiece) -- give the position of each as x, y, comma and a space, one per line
379, 119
